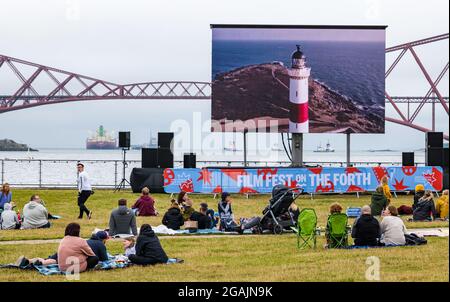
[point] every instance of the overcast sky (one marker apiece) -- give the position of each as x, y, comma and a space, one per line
139, 41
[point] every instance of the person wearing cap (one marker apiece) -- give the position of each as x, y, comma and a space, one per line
202, 219
418, 194
97, 244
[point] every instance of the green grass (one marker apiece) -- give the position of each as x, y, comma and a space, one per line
237, 258
63, 203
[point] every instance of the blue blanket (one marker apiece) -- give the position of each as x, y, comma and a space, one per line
53, 269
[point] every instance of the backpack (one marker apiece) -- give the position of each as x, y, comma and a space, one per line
413, 239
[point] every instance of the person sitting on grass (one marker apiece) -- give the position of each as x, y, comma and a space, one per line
73, 247
129, 245
392, 228
122, 220
442, 206
408, 210
148, 248
227, 222
22, 261
203, 221
8, 218
5, 195
294, 211
379, 202
211, 215
386, 190
366, 229
35, 215
186, 203
425, 209
335, 208
173, 219
418, 194
97, 244
145, 205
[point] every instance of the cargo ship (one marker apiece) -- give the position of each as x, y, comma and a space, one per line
101, 140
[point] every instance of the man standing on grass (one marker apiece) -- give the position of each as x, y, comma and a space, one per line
84, 191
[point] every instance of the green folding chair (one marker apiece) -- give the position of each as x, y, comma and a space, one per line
307, 229
337, 230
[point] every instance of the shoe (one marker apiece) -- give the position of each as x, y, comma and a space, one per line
22, 261
90, 215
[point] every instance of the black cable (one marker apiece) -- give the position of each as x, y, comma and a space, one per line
284, 146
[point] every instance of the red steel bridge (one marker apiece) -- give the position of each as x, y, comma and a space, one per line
67, 86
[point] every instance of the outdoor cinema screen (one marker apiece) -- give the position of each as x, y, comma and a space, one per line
298, 79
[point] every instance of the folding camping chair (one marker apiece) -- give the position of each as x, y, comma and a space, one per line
337, 230
307, 229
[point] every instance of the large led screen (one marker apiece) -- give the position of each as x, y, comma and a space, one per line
298, 79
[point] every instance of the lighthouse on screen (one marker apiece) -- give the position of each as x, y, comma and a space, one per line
298, 93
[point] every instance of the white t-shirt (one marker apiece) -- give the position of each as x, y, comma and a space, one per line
83, 182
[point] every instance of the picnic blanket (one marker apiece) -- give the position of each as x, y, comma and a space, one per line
53, 269
164, 230
114, 262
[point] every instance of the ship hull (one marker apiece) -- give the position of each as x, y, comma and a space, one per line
101, 145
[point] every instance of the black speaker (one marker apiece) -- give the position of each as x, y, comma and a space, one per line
434, 140
434, 157
151, 178
165, 139
124, 139
149, 158
408, 159
165, 158
189, 160
445, 158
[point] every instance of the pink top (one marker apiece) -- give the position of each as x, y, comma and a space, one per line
71, 246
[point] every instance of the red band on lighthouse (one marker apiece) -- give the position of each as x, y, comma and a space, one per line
298, 113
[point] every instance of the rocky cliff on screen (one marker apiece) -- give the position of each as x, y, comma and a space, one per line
261, 92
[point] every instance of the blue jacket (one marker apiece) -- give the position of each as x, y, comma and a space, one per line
98, 247
5, 198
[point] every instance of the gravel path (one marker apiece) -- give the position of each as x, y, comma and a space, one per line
443, 232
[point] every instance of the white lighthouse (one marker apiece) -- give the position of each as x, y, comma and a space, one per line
298, 93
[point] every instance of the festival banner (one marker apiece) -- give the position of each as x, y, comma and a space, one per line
311, 180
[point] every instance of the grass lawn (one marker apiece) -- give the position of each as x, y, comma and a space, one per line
237, 258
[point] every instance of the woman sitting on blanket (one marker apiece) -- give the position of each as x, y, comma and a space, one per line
71, 246
392, 228
148, 248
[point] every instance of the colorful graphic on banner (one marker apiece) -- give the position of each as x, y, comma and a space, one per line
312, 180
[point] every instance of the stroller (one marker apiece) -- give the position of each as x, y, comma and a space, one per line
276, 216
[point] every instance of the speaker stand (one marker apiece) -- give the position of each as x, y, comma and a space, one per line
124, 182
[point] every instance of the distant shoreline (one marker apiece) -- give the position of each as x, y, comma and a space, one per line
12, 146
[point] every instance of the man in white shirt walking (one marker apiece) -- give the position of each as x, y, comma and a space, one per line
84, 191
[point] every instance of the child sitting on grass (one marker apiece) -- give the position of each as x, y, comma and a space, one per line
129, 245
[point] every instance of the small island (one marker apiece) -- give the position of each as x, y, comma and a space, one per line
10, 145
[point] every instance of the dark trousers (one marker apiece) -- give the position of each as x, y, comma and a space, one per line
142, 260
45, 226
82, 198
91, 261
